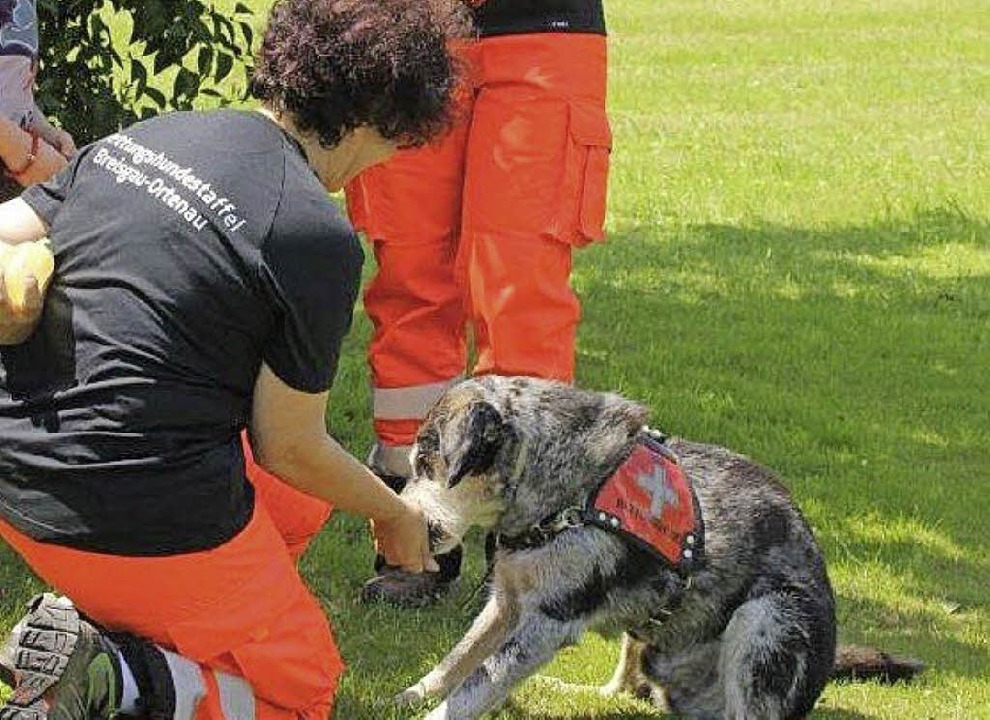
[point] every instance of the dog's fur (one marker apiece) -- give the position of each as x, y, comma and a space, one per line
749, 636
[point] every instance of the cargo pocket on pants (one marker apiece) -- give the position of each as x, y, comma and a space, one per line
582, 202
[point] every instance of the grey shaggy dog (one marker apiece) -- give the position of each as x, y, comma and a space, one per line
750, 634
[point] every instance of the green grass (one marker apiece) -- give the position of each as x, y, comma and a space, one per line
799, 268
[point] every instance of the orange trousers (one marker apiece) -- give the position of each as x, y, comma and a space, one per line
240, 608
477, 231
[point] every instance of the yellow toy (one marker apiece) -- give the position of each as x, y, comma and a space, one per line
20, 262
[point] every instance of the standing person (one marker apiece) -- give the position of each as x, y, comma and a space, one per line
477, 231
204, 282
31, 148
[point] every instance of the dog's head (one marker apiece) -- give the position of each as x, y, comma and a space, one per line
503, 453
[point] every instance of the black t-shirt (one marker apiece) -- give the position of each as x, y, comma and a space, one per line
510, 17
189, 249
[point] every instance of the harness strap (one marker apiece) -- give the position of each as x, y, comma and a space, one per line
544, 531
676, 536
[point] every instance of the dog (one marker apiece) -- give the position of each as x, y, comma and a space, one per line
733, 618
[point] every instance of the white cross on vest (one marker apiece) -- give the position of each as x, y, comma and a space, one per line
655, 483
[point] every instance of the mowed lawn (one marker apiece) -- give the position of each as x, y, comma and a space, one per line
799, 268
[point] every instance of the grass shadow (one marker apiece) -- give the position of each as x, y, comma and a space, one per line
849, 359
849, 343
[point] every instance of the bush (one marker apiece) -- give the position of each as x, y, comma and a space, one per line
95, 82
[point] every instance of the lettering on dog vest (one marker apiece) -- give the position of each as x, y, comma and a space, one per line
650, 500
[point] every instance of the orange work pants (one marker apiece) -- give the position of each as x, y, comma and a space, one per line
477, 230
240, 608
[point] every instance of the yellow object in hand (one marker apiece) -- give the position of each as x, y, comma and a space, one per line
22, 261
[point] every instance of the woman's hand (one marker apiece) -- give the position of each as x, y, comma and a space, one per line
59, 139
62, 141
404, 541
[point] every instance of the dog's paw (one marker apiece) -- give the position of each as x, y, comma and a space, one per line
412, 695
612, 689
638, 687
641, 690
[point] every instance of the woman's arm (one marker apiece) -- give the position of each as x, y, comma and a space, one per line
58, 138
288, 434
27, 161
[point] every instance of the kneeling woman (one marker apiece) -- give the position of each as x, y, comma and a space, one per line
204, 283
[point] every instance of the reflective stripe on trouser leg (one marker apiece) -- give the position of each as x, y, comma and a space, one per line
236, 696
532, 194
187, 680
398, 413
412, 401
410, 209
227, 697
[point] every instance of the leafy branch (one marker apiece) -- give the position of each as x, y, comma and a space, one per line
108, 63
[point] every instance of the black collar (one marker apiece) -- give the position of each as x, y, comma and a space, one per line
542, 532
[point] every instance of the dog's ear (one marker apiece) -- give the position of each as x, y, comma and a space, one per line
636, 418
617, 424
474, 442
625, 414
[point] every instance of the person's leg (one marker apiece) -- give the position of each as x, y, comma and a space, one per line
235, 625
409, 208
298, 517
537, 165
418, 349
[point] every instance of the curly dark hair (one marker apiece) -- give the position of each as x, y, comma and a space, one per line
335, 65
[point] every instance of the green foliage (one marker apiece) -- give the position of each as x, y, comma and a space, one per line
103, 60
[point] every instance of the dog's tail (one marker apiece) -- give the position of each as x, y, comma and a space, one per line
857, 662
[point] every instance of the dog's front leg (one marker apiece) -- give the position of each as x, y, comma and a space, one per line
531, 645
486, 633
628, 675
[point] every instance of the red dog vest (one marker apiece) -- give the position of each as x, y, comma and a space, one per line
650, 500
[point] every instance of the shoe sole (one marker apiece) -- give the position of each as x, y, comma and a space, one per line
49, 635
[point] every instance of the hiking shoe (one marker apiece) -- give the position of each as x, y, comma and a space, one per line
63, 667
404, 589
